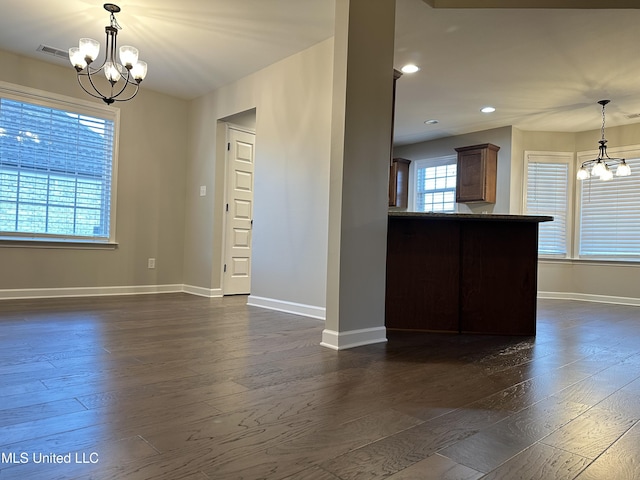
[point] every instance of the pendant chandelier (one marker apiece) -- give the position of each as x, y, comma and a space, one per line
124, 78
601, 166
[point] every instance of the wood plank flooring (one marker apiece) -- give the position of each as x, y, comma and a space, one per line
174, 386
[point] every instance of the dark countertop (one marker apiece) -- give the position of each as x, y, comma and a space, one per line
487, 217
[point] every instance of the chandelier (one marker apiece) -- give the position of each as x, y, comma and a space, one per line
601, 166
123, 77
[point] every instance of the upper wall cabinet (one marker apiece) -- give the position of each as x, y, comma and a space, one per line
399, 168
477, 170
399, 183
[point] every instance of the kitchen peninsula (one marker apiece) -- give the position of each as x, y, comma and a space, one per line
463, 273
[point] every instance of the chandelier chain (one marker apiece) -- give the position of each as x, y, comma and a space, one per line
114, 22
603, 122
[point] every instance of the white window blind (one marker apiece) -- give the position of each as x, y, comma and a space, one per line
435, 186
548, 189
610, 216
55, 172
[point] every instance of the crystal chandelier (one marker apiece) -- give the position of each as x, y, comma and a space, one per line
123, 77
600, 167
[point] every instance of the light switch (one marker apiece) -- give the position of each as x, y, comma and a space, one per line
203, 190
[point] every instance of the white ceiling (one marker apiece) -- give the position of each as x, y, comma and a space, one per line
191, 46
542, 69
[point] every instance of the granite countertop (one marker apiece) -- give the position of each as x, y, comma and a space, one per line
472, 216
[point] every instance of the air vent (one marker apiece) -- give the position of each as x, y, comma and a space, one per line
633, 115
56, 52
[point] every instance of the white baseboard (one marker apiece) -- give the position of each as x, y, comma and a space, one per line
354, 338
586, 297
24, 293
288, 307
202, 292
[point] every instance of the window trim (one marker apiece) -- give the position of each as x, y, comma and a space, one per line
426, 163
568, 158
43, 98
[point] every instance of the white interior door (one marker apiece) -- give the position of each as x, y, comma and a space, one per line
239, 212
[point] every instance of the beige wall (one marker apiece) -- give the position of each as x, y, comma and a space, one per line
150, 202
169, 147
616, 136
292, 100
600, 281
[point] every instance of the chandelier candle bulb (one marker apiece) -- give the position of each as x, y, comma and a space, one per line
111, 72
139, 71
583, 173
128, 56
90, 49
77, 58
623, 170
598, 169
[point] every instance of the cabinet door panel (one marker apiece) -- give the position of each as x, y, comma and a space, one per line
477, 171
471, 183
399, 183
499, 278
423, 273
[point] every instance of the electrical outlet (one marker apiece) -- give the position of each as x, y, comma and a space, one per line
203, 190
151, 263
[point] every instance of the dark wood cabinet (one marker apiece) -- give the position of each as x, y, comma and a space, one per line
466, 273
477, 171
423, 275
399, 183
398, 167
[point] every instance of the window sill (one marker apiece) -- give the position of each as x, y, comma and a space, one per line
29, 242
584, 261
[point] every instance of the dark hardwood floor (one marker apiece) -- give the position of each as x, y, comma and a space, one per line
181, 387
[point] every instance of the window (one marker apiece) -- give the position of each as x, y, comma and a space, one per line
609, 218
56, 166
548, 193
435, 185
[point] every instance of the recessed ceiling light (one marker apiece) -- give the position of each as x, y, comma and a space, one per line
431, 122
410, 68
488, 109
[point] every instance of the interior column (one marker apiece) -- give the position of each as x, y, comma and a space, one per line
358, 191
